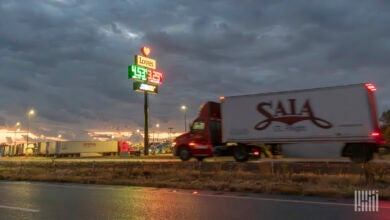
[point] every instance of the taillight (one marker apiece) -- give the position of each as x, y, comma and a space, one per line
377, 135
371, 87
256, 152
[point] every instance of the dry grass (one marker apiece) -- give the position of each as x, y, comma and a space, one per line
326, 180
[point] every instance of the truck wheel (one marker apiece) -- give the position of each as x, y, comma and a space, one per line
241, 153
184, 154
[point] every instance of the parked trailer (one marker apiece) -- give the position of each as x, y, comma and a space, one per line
2, 150
42, 149
51, 148
322, 122
77, 148
6, 150
70, 148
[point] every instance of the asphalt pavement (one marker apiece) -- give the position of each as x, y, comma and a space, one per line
33, 200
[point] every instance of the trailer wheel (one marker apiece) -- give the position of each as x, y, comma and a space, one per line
360, 153
184, 154
241, 153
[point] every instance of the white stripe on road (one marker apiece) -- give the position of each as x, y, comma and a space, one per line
281, 200
18, 208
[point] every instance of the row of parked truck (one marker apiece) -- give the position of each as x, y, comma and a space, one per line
69, 148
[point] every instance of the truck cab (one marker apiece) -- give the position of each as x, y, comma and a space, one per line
205, 138
204, 135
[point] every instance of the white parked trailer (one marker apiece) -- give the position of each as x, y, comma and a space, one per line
84, 147
42, 148
51, 148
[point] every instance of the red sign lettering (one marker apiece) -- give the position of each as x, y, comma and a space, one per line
288, 114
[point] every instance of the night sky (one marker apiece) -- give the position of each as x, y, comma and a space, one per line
68, 59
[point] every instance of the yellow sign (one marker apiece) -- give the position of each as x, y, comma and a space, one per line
145, 62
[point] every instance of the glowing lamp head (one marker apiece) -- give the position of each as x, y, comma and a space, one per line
31, 112
371, 87
145, 51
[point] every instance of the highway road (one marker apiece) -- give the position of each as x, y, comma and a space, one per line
31, 200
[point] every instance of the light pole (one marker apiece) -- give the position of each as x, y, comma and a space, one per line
184, 108
29, 114
17, 128
157, 126
170, 133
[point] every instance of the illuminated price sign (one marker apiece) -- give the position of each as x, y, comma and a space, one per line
144, 87
154, 77
138, 73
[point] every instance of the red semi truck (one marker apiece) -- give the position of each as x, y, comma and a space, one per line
326, 122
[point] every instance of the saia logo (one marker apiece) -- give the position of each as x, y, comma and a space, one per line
288, 115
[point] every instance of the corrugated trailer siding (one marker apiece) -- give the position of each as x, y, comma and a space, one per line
74, 147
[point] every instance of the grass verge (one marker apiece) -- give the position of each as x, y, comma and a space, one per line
292, 178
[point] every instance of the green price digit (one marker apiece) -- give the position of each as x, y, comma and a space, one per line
137, 73
142, 73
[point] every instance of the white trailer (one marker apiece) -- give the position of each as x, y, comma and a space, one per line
322, 122
51, 148
42, 148
87, 148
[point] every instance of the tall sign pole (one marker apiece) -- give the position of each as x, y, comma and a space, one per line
146, 79
146, 125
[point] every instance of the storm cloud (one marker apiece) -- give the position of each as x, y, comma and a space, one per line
68, 58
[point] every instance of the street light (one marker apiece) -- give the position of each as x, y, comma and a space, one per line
29, 114
184, 108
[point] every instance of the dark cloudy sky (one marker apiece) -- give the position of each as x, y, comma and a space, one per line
68, 59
